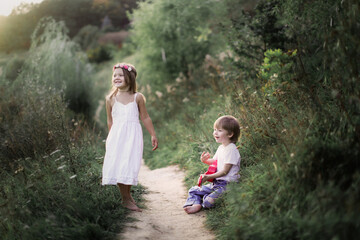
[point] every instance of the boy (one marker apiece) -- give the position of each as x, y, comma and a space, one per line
226, 132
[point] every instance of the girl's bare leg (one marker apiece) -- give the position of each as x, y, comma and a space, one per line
129, 193
127, 200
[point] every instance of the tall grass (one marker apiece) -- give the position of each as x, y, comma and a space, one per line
298, 109
292, 185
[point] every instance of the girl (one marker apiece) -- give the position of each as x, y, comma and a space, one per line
124, 144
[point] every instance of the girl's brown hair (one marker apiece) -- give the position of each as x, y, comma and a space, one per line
129, 75
230, 124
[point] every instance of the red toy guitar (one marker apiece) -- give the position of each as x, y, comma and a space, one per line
211, 170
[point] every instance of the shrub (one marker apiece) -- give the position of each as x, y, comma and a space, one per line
58, 196
87, 37
52, 54
50, 157
299, 116
100, 53
173, 37
33, 106
13, 67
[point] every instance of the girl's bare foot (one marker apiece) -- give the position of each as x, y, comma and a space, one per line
192, 209
130, 205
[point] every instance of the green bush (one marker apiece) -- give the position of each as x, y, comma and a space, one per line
298, 108
57, 62
59, 196
87, 37
173, 37
13, 67
33, 109
100, 53
51, 156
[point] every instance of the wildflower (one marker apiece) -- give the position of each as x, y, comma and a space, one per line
274, 76
159, 94
73, 176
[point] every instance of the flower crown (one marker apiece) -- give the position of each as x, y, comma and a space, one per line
123, 66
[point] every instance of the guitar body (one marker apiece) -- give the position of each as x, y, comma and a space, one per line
211, 170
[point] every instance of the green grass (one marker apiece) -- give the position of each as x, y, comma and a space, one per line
60, 196
52, 151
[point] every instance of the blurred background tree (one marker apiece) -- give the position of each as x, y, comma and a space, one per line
17, 28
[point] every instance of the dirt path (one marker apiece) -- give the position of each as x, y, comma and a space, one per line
164, 218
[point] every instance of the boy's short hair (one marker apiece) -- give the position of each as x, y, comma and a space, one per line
230, 124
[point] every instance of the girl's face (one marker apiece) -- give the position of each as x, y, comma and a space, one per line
118, 78
222, 136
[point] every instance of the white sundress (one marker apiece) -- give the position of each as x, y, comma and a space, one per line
124, 145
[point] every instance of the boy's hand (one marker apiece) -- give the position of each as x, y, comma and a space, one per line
204, 178
205, 156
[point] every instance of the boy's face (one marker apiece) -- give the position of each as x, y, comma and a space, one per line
222, 136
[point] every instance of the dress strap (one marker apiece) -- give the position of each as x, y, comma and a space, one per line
135, 97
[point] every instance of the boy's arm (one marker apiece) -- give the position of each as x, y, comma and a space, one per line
224, 172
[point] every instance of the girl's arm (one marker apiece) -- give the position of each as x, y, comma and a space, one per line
205, 158
108, 113
224, 172
145, 118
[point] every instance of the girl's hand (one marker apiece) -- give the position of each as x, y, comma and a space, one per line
154, 142
205, 156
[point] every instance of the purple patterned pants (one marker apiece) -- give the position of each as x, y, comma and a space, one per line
201, 195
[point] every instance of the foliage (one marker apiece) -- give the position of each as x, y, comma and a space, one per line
50, 37
16, 32
17, 28
58, 196
176, 39
277, 74
87, 37
13, 67
287, 69
251, 28
100, 53
288, 73
50, 155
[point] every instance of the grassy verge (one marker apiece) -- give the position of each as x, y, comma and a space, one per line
51, 150
292, 185
60, 196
